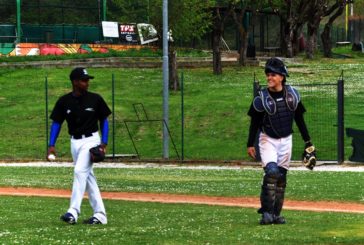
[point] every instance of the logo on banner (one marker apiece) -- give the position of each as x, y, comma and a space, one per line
128, 33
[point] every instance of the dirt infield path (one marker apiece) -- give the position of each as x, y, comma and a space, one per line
247, 202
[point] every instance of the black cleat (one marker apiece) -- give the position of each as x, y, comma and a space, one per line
68, 218
267, 219
92, 221
279, 220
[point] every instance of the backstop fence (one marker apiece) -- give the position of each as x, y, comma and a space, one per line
208, 121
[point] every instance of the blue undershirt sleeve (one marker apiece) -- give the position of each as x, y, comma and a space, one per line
55, 129
104, 125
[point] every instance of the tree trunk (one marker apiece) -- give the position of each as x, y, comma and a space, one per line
288, 35
238, 16
296, 33
173, 73
311, 41
326, 34
217, 32
216, 52
243, 47
326, 40
293, 19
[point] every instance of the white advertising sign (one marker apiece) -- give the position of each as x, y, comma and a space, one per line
110, 29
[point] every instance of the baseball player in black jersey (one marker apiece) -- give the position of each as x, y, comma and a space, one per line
83, 112
272, 114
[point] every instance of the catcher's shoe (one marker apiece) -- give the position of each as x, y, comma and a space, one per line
279, 220
68, 218
267, 219
92, 221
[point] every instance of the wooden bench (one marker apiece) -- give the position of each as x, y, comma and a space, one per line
344, 43
272, 50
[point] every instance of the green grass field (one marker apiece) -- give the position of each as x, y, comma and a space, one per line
33, 220
36, 221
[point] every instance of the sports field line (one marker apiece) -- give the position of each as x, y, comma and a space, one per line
253, 166
246, 202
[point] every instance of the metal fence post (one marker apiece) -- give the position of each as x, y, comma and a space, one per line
113, 116
46, 111
340, 119
182, 119
256, 88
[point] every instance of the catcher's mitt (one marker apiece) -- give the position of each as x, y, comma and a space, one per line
97, 154
309, 156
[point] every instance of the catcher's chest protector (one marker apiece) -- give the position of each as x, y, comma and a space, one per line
278, 119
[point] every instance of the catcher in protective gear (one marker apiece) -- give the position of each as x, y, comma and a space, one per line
309, 156
273, 111
97, 153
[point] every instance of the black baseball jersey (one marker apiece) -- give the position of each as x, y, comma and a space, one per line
81, 113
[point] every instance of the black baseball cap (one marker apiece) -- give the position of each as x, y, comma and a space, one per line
80, 73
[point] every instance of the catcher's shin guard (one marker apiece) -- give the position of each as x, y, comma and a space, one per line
267, 198
268, 192
279, 196
278, 204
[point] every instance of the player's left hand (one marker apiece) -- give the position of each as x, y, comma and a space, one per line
103, 146
309, 156
97, 153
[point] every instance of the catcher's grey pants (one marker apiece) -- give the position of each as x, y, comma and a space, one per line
84, 179
275, 150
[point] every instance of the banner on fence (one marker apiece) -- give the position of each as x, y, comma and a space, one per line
110, 29
128, 33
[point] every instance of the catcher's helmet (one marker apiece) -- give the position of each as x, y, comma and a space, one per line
276, 65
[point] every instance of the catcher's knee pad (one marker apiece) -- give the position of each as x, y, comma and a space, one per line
272, 173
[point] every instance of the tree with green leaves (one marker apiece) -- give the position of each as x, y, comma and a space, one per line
242, 12
220, 15
293, 14
318, 8
334, 11
188, 20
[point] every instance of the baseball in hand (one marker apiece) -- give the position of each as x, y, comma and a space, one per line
51, 157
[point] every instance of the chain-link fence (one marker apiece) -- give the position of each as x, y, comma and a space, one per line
321, 121
214, 109
356, 25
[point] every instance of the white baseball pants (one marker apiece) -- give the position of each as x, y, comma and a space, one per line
275, 150
84, 179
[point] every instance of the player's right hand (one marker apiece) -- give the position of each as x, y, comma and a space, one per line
51, 151
251, 152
